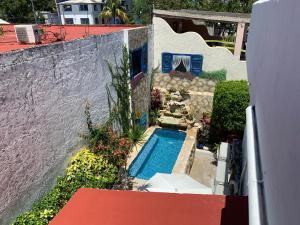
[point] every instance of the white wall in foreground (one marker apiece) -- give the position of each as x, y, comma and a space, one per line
214, 58
273, 62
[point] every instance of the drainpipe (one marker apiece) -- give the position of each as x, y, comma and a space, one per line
255, 182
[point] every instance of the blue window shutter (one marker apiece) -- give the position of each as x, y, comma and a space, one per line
130, 64
144, 60
166, 64
196, 64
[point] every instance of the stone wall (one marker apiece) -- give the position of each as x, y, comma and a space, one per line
196, 84
201, 91
43, 92
141, 83
141, 96
137, 37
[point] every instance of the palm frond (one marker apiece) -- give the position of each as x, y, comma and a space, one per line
106, 12
122, 15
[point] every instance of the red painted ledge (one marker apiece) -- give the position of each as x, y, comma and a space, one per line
107, 207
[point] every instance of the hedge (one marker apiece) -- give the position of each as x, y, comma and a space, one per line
217, 75
231, 98
86, 169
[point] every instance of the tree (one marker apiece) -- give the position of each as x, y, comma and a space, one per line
113, 9
142, 11
142, 8
20, 11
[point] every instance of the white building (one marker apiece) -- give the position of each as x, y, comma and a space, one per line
81, 11
50, 17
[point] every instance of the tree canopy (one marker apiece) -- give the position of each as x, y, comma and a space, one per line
142, 8
20, 11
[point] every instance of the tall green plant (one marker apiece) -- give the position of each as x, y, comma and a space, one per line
136, 135
120, 110
95, 133
231, 98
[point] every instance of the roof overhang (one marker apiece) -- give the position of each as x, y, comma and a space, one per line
101, 207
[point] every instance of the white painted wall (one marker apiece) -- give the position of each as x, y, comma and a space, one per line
214, 58
274, 75
76, 15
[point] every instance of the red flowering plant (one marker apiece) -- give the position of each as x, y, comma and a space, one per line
113, 147
104, 141
156, 102
173, 73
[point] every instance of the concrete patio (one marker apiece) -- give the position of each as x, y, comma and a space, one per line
203, 169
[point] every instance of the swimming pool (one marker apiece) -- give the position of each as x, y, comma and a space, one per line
159, 154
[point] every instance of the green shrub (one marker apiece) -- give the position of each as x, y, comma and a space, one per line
86, 169
217, 75
231, 99
90, 170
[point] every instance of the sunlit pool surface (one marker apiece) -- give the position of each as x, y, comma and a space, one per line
158, 155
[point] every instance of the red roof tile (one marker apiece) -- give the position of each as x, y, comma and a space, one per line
8, 40
106, 207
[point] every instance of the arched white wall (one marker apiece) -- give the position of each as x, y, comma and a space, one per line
215, 58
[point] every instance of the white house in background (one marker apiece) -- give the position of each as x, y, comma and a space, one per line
50, 17
80, 11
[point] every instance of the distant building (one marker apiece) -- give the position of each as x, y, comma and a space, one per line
80, 11
50, 17
3, 21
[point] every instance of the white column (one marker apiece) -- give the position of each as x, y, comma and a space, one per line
239, 39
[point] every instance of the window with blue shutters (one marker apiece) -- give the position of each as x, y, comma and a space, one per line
138, 59
196, 64
166, 64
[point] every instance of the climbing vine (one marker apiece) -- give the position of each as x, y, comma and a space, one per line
120, 111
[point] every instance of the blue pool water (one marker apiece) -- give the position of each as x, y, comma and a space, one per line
158, 155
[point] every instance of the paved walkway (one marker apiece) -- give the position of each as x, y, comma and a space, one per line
203, 169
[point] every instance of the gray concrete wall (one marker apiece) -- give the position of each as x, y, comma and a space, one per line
273, 69
43, 92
